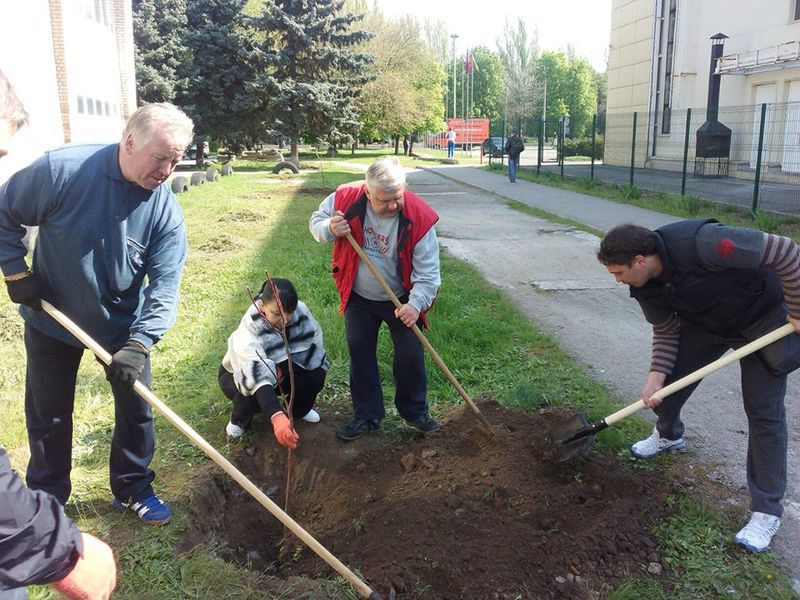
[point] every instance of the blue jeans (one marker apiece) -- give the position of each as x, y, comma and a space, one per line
451, 149
362, 320
512, 169
49, 400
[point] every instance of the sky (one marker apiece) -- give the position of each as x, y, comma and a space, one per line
585, 24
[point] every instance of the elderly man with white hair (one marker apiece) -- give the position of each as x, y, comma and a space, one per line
109, 254
395, 228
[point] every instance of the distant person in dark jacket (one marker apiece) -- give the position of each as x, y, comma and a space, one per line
38, 543
513, 148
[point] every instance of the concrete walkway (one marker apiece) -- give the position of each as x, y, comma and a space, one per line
551, 273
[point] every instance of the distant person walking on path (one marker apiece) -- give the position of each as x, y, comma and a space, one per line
451, 142
513, 148
396, 230
706, 288
110, 254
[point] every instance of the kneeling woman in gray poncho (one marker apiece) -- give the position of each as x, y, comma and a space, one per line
256, 368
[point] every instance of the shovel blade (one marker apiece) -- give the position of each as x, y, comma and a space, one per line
573, 437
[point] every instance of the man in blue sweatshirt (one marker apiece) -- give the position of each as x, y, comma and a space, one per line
38, 542
109, 254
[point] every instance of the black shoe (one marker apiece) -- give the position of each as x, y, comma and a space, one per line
355, 429
425, 423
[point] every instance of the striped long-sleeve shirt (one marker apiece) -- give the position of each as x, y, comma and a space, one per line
778, 253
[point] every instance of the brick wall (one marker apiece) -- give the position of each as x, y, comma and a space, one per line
57, 27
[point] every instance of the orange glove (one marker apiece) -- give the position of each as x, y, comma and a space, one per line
95, 574
284, 433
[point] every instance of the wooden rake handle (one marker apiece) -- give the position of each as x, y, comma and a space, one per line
213, 454
757, 344
436, 358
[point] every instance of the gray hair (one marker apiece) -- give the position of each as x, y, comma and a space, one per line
168, 118
11, 109
386, 174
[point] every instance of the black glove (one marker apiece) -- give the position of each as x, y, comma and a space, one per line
127, 364
26, 290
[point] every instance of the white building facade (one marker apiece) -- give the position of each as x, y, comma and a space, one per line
659, 63
71, 63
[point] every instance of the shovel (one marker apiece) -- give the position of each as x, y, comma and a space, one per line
577, 435
194, 437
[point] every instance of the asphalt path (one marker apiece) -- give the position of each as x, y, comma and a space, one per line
550, 271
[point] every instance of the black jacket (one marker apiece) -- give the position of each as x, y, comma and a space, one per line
38, 542
721, 302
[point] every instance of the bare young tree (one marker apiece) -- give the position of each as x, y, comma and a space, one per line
518, 53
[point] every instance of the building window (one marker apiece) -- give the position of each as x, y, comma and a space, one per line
108, 108
669, 52
81, 108
797, 10
90, 106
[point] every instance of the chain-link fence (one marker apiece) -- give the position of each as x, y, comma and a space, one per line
746, 155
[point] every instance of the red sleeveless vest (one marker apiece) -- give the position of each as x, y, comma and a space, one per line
416, 219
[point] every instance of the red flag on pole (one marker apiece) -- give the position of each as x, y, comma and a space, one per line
468, 64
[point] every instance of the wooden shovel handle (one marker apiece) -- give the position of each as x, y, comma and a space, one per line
436, 358
757, 344
213, 454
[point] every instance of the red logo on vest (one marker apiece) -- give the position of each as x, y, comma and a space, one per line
725, 247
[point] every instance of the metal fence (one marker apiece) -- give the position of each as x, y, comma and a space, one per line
752, 160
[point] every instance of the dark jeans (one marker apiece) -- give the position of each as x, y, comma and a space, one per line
763, 396
15, 594
512, 168
49, 401
362, 320
307, 384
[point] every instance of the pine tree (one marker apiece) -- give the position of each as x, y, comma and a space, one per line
158, 26
309, 72
216, 72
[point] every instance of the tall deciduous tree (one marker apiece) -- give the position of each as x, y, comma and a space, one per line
406, 93
487, 84
216, 71
158, 27
518, 52
571, 90
309, 72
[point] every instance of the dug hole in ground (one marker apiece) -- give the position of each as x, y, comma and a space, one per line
439, 516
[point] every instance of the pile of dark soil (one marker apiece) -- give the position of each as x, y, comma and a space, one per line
437, 516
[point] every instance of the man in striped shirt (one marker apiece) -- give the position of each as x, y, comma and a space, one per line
706, 288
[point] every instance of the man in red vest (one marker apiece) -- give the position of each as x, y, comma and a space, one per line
396, 230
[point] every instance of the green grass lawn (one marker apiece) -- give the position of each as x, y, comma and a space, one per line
244, 224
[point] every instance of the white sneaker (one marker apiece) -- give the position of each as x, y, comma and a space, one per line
234, 431
655, 445
311, 416
757, 534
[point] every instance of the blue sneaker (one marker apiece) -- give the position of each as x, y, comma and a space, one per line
151, 510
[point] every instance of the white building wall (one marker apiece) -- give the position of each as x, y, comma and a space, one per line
93, 71
629, 75
26, 57
92, 61
749, 26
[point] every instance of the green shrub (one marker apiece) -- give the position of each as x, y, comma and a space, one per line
583, 147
